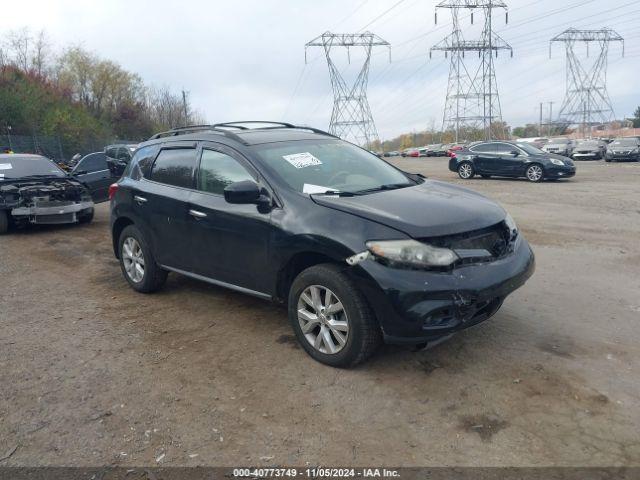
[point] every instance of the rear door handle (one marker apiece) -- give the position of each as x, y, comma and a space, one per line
140, 199
197, 214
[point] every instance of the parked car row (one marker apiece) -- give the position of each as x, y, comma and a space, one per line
620, 149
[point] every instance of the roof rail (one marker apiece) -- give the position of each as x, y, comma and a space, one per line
240, 125
222, 128
196, 128
274, 125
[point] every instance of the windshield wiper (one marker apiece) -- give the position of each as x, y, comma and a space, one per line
336, 192
381, 188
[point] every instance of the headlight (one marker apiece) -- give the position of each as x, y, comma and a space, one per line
511, 225
464, 157
412, 253
556, 161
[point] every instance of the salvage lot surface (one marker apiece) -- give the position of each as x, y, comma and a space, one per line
92, 373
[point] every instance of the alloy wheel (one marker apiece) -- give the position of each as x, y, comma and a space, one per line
534, 173
133, 259
322, 319
465, 170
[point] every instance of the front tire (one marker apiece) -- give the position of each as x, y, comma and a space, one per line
331, 318
535, 173
137, 263
466, 171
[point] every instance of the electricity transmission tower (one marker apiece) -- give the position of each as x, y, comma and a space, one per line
351, 117
586, 101
472, 107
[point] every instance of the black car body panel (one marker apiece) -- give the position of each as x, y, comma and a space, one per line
503, 162
92, 170
257, 248
427, 210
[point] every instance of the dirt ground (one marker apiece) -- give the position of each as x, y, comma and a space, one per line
92, 373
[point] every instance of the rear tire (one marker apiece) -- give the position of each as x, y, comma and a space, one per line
137, 263
340, 329
4, 222
466, 171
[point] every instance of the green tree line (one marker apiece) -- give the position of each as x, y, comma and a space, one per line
75, 95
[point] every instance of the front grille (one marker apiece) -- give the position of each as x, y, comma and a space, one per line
55, 219
469, 245
52, 203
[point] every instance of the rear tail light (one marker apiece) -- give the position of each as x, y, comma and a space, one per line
113, 188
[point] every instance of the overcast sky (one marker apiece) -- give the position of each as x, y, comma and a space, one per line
243, 60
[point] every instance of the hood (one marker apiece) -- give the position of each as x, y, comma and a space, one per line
431, 209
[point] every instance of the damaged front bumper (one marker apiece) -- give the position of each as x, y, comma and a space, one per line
52, 212
419, 307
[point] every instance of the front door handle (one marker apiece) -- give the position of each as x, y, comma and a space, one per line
197, 214
140, 199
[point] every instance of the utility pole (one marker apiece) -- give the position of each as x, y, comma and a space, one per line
351, 118
540, 124
550, 116
184, 106
586, 98
473, 102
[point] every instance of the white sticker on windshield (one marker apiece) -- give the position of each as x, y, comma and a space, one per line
302, 160
5, 166
311, 189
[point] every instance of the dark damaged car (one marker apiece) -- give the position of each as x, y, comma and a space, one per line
360, 251
34, 190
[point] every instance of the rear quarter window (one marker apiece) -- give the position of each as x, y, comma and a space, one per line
174, 167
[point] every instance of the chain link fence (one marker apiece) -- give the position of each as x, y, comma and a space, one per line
51, 146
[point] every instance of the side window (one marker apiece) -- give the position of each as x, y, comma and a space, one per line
504, 148
174, 167
483, 148
217, 170
111, 152
93, 163
123, 154
142, 161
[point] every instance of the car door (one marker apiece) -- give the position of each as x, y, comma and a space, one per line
229, 241
93, 171
508, 162
485, 157
162, 199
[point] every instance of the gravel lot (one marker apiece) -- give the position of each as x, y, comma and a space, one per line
92, 373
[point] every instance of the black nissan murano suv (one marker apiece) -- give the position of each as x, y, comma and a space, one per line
360, 251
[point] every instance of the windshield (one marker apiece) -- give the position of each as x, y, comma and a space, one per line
20, 166
625, 142
559, 141
589, 143
530, 149
321, 166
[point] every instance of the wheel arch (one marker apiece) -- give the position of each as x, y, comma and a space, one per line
297, 263
118, 226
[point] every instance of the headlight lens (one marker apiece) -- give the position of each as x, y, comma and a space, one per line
511, 225
412, 253
556, 161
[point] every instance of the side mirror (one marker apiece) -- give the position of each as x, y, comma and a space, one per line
515, 153
246, 191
